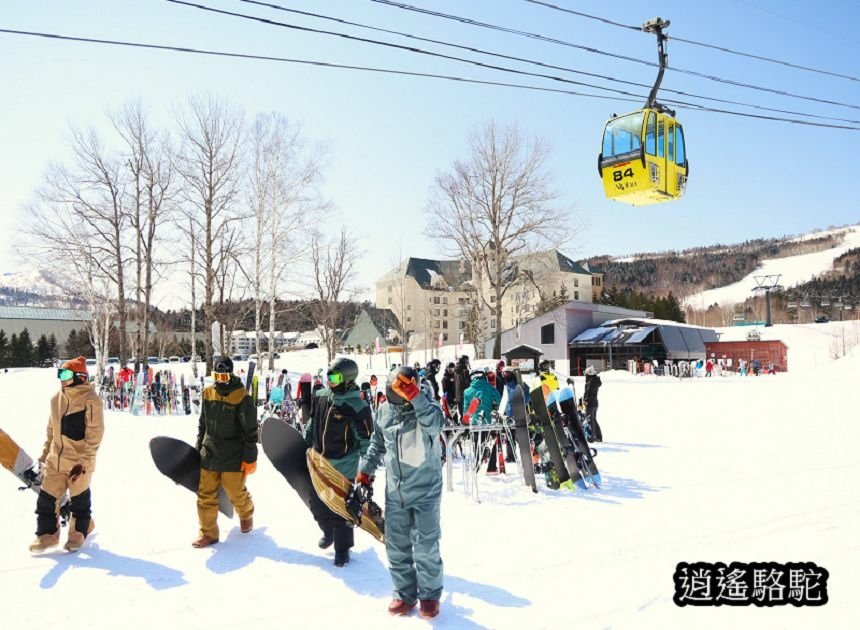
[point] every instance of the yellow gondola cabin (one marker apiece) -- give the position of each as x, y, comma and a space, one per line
644, 159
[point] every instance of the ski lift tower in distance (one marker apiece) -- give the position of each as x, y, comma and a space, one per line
643, 158
767, 284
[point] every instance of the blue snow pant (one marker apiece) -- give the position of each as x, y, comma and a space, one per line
412, 543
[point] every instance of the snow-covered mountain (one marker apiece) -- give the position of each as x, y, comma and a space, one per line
793, 270
33, 288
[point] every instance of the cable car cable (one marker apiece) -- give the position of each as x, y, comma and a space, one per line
471, 22
325, 64
539, 63
422, 51
696, 43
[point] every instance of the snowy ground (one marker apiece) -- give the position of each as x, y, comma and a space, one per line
723, 469
793, 270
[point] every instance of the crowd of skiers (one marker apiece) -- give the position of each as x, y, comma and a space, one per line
356, 428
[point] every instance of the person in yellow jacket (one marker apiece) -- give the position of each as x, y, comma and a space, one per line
75, 430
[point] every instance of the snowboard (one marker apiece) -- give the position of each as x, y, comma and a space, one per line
137, 402
521, 428
563, 468
333, 489
285, 447
16, 460
181, 462
585, 460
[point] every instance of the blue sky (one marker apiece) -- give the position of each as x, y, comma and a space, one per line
390, 135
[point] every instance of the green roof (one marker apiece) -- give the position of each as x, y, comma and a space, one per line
34, 312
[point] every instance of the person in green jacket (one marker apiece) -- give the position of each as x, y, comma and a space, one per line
481, 389
339, 430
406, 437
227, 443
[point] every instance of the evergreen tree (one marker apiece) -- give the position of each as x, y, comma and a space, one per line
13, 351
4, 349
43, 351
24, 352
52, 346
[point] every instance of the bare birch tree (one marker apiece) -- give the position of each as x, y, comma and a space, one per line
332, 267
210, 165
493, 207
150, 164
282, 192
80, 210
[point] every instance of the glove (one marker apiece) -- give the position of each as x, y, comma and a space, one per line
407, 388
364, 479
249, 467
76, 471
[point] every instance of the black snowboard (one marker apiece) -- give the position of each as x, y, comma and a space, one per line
285, 447
550, 438
521, 427
181, 463
585, 461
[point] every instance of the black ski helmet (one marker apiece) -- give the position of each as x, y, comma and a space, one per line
348, 370
224, 365
409, 373
544, 366
464, 360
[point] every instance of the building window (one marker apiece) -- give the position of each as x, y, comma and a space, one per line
436, 324
444, 323
461, 300
436, 312
461, 325
493, 324
408, 320
444, 336
576, 295
436, 300
390, 287
576, 282
547, 334
390, 300
444, 300
492, 298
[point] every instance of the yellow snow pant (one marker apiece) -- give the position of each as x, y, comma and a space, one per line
207, 498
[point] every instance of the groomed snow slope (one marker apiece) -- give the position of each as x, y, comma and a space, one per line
793, 270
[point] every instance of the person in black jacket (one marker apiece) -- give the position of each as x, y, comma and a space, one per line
462, 380
592, 384
430, 376
339, 430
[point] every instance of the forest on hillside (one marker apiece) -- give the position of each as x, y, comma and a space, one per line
689, 271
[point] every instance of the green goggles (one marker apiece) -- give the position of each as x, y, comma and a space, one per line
335, 378
65, 374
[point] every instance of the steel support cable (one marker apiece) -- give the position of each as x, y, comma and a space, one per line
325, 64
710, 77
413, 49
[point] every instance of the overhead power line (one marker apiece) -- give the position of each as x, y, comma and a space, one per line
551, 40
325, 64
696, 43
536, 62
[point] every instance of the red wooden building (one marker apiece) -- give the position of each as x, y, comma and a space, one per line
764, 351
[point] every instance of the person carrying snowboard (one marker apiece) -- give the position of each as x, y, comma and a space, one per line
406, 438
339, 430
227, 443
592, 384
75, 430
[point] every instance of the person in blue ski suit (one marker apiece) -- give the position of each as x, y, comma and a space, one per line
406, 437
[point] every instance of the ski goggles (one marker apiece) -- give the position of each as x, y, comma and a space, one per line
335, 378
221, 377
65, 374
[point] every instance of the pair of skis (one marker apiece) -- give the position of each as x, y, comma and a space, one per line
571, 457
